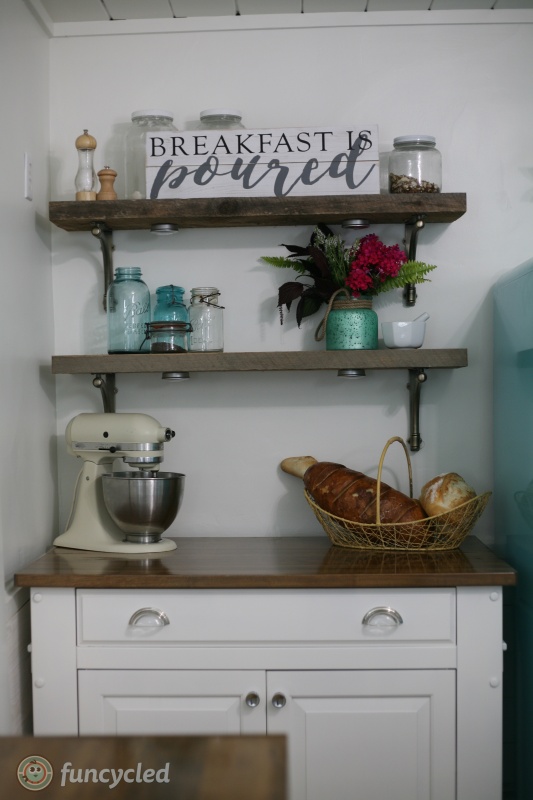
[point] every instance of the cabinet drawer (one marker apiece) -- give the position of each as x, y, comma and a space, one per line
265, 616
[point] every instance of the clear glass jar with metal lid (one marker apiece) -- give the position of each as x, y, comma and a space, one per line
207, 321
415, 165
217, 119
135, 148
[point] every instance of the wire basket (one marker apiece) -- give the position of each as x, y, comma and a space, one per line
442, 532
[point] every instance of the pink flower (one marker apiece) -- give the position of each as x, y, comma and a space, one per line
374, 262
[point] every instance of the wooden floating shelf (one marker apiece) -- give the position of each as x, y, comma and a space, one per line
260, 362
227, 212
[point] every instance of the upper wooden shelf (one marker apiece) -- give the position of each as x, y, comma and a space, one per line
228, 212
263, 362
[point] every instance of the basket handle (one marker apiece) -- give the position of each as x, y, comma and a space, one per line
380, 467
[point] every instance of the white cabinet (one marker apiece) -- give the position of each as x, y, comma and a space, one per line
144, 702
382, 692
368, 734
388, 734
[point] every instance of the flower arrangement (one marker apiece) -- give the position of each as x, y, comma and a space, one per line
366, 268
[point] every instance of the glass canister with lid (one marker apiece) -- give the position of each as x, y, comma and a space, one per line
142, 122
217, 119
169, 329
415, 165
169, 306
207, 321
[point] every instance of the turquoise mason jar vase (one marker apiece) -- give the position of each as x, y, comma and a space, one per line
350, 324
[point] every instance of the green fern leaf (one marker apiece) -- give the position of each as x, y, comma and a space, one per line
286, 263
411, 272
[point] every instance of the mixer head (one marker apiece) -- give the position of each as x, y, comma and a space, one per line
136, 438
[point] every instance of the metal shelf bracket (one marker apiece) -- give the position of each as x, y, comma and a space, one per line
105, 235
412, 229
416, 378
107, 385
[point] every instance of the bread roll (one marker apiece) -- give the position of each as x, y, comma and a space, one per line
444, 493
351, 495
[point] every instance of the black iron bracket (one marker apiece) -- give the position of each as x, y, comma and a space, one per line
105, 235
416, 378
107, 385
412, 229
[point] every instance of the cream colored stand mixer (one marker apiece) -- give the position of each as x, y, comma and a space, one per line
123, 512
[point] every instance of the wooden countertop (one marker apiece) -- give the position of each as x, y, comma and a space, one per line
269, 563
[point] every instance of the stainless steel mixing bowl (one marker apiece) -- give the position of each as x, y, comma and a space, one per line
143, 504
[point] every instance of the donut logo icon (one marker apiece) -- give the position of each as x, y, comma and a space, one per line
35, 773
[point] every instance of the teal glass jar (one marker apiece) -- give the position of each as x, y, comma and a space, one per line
128, 311
169, 305
169, 330
352, 324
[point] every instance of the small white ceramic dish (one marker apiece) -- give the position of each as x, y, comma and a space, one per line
405, 334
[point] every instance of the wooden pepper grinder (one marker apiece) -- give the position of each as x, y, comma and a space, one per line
107, 179
85, 177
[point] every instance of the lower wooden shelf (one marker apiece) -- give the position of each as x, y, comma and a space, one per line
259, 362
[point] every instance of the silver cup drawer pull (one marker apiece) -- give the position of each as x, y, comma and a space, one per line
148, 618
382, 617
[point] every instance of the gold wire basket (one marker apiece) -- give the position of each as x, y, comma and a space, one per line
442, 532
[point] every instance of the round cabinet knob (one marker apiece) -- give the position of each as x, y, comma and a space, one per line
148, 618
252, 700
279, 700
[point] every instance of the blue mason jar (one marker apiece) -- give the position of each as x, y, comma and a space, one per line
128, 311
169, 306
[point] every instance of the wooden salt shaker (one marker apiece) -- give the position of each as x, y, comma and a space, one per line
107, 179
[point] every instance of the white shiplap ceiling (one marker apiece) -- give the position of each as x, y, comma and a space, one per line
105, 10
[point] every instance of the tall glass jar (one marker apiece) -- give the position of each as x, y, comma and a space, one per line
128, 311
142, 122
217, 119
415, 165
207, 321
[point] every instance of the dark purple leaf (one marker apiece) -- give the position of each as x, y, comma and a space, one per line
290, 291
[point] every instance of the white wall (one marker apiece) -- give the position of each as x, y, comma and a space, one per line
465, 84
27, 423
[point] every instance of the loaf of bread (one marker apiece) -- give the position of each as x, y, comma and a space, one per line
444, 493
351, 495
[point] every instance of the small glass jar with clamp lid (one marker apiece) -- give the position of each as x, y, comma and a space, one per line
415, 165
168, 337
218, 119
207, 321
169, 330
169, 306
142, 122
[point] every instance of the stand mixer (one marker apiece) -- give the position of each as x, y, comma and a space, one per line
120, 512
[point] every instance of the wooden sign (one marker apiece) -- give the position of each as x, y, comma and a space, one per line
262, 163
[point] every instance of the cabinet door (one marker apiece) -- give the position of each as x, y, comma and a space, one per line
150, 702
366, 735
